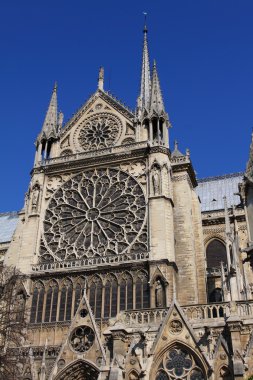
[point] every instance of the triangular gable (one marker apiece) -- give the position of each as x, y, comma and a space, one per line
83, 321
109, 99
175, 329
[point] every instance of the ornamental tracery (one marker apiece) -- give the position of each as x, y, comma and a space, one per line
99, 131
96, 213
178, 363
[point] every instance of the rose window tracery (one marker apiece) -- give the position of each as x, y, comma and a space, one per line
82, 338
97, 213
179, 364
99, 131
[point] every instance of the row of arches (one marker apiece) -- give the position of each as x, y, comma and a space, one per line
59, 301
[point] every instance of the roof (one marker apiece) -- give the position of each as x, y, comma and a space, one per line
211, 191
8, 223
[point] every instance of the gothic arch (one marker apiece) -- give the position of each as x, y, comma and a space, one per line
178, 356
79, 370
37, 302
215, 253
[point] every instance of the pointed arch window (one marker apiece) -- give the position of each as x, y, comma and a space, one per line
51, 302
79, 289
111, 297
66, 301
126, 292
215, 254
37, 303
95, 296
178, 362
142, 291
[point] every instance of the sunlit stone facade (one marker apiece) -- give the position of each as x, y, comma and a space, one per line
135, 270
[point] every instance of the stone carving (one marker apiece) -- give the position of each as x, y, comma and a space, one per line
99, 131
159, 294
136, 168
175, 326
54, 182
156, 179
35, 196
82, 338
96, 213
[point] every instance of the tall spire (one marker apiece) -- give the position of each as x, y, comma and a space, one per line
50, 123
156, 100
144, 98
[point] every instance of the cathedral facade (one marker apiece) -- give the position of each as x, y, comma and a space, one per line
136, 269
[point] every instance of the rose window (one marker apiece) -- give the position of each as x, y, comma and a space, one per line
96, 213
179, 364
82, 338
100, 131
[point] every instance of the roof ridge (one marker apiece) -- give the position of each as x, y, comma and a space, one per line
218, 177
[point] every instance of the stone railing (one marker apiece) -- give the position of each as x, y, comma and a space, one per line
94, 153
60, 266
197, 313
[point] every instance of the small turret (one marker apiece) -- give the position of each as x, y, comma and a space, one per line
50, 129
156, 100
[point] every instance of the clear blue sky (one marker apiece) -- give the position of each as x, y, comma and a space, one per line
204, 53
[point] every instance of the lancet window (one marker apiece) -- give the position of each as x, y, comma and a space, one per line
142, 291
126, 292
37, 303
111, 297
51, 302
215, 254
79, 289
179, 363
95, 297
66, 301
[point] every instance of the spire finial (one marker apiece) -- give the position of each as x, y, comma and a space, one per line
144, 97
145, 29
50, 123
101, 78
156, 98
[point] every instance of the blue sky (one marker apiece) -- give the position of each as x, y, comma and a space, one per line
204, 54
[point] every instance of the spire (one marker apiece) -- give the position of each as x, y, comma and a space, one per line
144, 98
156, 100
49, 128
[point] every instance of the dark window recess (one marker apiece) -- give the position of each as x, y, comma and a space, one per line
215, 253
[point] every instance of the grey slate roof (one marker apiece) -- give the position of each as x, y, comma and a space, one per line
211, 191
8, 223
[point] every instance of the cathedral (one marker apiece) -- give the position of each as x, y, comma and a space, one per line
135, 268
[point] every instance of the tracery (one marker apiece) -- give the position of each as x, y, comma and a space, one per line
97, 213
179, 363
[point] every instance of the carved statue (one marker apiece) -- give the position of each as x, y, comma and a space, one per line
35, 197
159, 294
156, 180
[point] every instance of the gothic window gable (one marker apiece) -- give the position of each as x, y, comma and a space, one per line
99, 125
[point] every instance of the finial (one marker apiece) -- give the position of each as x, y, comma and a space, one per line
145, 30
175, 145
101, 79
187, 153
55, 86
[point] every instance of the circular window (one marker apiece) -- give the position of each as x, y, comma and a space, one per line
97, 213
82, 338
99, 131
